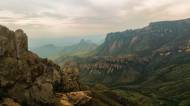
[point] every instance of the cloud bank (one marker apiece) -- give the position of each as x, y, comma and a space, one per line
45, 18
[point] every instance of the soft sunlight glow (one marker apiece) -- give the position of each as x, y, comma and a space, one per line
87, 17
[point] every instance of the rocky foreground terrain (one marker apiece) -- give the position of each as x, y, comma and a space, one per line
28, 80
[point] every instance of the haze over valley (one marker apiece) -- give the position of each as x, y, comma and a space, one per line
95, 53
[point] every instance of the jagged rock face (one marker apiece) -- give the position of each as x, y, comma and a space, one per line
7, 42
21, 42
71, 76
167, 34
30, 80
112, 70
24, 76
12, 44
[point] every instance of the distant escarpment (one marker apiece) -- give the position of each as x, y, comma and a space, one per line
166, 35
28, 79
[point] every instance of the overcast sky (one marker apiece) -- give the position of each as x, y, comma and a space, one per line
55, 18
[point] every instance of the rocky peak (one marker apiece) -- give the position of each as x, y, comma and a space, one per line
82, 41
85, 42
25, 77
12, 44
21, 42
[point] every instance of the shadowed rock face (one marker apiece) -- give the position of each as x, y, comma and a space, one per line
30, 80
143, 41
24, 76
12, 44
71, 76
7, 42
21, 42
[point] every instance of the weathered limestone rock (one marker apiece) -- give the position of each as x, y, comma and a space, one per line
7, 42
71, 76
24, 76
30, 83
21, 42
12, 44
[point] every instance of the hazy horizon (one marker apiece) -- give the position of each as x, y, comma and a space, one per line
63, 41
95, 53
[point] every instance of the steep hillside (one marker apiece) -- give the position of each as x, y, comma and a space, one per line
49, 50
80, 49
165, 34
83, 49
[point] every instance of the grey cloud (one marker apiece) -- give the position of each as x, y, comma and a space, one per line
71, 15
54, 15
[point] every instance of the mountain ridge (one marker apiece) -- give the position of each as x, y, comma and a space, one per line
147, 39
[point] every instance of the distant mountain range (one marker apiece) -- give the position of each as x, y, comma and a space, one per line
47, 50
63, 40
79, 49
83, 46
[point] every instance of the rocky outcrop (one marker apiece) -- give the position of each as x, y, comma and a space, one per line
12, 44
21, 42
7, 42
30, 80
24, 76
71, 76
